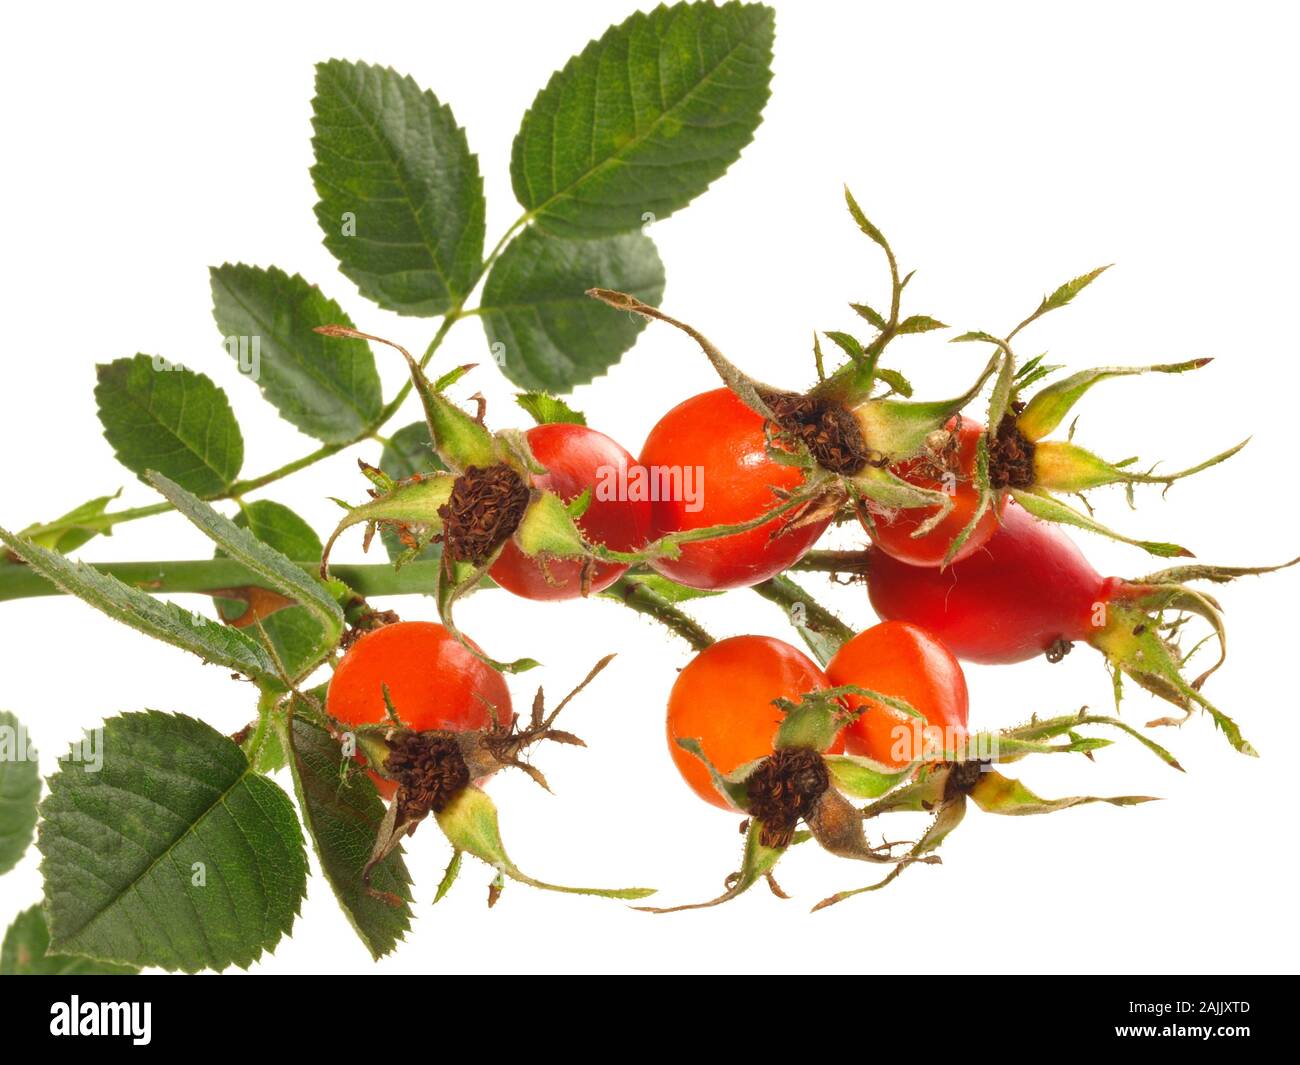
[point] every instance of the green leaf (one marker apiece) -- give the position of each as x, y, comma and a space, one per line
25, 953
158, 416
644, 119
293, 632
342, 812
326, 386
408, 452
210, 640
173, 853
401, 198
20, 788
920, 323
66, 534
280, 529
549, 410
279, 573
545, 333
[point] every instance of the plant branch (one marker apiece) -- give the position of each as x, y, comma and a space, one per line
638, 597
855, 562
816, 618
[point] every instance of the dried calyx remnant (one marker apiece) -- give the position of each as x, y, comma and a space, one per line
485, 507
1011, 454
828, 430
962, 776
430, 771
785, 789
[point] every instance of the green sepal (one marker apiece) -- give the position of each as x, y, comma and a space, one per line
458, 440
1061, 466
923, 794
449, 876
744, 386
1005, 748
74, 529
818, 717
757, 861
861, 777
469, 822
411, 504
669, 546
1132, 644
984, 502
886, 488
731, 786
995, 794
1042, 505
897, 429
1063, 295
1050, 405
456, 580
1036, 730
549, 529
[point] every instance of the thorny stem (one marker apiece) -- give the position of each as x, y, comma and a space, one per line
855, 562
782, 591
638, 597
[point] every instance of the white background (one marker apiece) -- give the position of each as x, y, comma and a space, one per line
1003, 148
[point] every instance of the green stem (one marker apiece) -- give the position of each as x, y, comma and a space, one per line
818, 619
638, 597
855, 562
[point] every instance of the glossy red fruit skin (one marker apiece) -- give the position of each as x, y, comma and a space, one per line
1028, 588
716, 434
575, 458
434, 681
905, 661
723, 698
892, 532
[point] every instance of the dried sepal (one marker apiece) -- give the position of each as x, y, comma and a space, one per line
947, 817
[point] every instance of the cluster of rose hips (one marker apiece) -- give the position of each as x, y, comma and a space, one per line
966, 562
